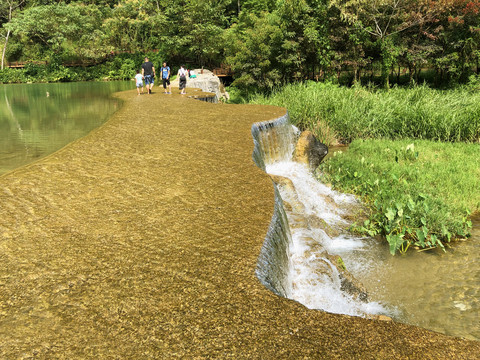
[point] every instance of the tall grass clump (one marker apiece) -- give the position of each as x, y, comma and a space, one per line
420, 193
331, 111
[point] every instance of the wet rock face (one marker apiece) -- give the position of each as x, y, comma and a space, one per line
349, 283
310, 150
206, 81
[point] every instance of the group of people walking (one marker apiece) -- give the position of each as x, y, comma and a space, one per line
148, 75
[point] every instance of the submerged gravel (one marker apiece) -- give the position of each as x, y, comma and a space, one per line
141, 239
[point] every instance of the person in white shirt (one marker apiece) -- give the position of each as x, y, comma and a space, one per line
182, 79
139, 82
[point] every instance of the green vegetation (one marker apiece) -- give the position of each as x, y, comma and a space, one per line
267, 43
419, 192
120, 67
413, 158
335, 112
270, 44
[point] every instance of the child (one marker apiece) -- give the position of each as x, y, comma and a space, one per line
139, 81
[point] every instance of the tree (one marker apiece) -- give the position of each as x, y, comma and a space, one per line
201, 29
279, 47
135, 25
62, 30
8, 7
384, 20
253, 49
457, 35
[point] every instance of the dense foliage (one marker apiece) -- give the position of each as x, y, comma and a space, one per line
266, 42
413, 158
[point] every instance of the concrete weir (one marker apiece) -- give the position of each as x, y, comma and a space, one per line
141, 240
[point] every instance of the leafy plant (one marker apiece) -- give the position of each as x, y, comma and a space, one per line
416, 193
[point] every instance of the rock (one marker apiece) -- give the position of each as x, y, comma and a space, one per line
379, 317
310, 150
206, 81
348, 283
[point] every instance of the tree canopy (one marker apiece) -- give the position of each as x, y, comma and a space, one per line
266, 42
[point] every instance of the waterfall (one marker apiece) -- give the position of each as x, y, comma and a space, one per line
299, 258
272, 268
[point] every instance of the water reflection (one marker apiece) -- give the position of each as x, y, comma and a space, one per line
38, 119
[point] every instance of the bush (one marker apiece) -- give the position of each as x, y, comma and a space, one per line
11, 76
127, 70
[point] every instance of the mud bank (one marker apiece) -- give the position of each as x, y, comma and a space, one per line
141, 240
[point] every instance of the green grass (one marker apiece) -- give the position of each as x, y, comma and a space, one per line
419, 192
414, 157
345, 114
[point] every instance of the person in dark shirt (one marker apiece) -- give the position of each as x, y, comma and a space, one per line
148, 73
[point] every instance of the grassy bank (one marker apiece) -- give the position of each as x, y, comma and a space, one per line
413, 159
419, 192
345, 114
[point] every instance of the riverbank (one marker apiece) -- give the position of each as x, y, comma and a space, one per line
141, 240
408, 191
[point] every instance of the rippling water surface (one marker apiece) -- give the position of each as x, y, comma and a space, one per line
38, 119
435, 290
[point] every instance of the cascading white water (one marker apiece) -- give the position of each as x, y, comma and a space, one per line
298, 264
313, 280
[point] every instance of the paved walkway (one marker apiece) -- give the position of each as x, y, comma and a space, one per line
140, 241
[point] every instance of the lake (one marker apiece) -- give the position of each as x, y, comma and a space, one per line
38, 119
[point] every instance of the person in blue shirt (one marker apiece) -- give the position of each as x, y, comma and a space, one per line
165, 71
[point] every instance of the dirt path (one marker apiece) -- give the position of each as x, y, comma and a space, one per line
140, 241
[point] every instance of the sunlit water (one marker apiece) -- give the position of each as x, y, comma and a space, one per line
436, 290
313, 280
433, 289
38, 119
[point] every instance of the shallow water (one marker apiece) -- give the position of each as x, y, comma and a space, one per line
38, 119
433, 289
436, 290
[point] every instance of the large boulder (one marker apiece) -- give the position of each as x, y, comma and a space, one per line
206, 81
310, 150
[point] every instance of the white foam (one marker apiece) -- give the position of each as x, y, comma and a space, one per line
313, 280
313, 194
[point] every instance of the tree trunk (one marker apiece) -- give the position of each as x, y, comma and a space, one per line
410, 74
10, 9
12, 6
5, 49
